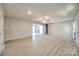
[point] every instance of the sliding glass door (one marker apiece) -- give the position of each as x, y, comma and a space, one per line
37, 29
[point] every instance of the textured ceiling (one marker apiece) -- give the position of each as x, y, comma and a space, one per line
55, 11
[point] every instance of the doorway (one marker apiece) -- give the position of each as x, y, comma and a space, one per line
74, 30
37, 30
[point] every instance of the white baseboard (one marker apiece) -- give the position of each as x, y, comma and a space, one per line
16, 38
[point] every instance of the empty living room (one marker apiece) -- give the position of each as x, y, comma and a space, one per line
39, 29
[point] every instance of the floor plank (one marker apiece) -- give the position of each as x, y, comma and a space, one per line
40, 46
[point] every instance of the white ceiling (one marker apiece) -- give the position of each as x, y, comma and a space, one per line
55, 11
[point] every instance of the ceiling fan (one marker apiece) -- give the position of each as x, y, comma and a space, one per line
45, 19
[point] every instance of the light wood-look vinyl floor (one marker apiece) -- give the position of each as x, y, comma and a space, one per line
40, 46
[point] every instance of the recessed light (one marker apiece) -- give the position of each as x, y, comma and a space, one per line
29, 12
